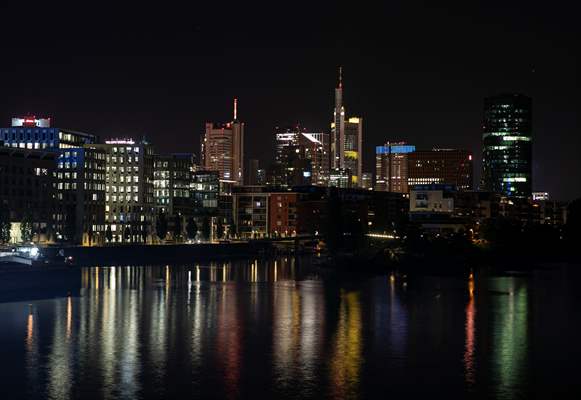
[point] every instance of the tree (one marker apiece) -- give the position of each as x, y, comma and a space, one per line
191, 228
219, 229
177, 227
109, 234
161, 226
206, 228
26, 228
4, 224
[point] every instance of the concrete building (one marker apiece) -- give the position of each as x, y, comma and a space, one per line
391, 167
347, 139
442, 166
222, 149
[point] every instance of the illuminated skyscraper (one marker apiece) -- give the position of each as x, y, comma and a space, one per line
347, 138
222, 149
391, 167
301, 158
507, 145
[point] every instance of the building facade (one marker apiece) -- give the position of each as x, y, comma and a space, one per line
129, 191
441, 166
27, 191
283, 218
507, 145
222, 149
78, 213
391, 167
173, 183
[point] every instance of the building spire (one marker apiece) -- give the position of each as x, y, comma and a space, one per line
235, 108
340, 77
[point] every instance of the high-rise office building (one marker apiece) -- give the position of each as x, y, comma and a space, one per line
391, 167
347, 138
301, 158
507, 145
441, 166
222, 149
129, 193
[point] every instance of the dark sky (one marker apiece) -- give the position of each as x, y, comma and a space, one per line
414, 72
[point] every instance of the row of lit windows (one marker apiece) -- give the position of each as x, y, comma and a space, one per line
114, 169
128, 179
127, 150
122, 189
127, 197
122, 159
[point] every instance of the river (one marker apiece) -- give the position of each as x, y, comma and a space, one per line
282, 329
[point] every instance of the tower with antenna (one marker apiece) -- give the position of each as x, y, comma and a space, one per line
347, 138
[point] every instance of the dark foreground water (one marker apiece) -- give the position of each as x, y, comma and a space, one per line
277, 329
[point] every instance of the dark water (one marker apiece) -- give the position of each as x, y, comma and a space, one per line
277, 329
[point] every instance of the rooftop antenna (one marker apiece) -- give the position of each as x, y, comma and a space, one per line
235, 108
340, 77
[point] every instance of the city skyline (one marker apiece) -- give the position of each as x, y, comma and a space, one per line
425, 89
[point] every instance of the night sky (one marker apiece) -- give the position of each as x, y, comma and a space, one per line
414, 72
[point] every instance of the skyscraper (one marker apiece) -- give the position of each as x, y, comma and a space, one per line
347, 138
222, 149
391, 167
301, 158
507, 145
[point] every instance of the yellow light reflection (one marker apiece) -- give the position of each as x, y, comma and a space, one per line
346, 359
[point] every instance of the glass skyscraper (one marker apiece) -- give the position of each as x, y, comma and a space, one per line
507, 145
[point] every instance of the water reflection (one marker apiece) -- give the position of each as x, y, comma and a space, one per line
346, 358
275, 329
509, 335
470, 345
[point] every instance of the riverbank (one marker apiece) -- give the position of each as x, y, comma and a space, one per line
165, 254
